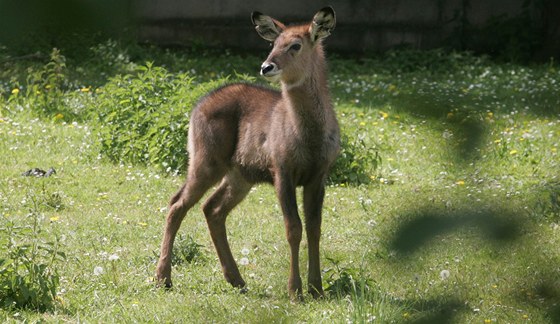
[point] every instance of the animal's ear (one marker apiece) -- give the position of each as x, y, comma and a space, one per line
323, 23
267, 27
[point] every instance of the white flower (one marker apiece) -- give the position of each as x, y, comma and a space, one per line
245, 251
244, 261
444, 274
98, 271
113, 257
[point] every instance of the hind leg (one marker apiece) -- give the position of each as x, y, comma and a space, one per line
231, 192
198, 182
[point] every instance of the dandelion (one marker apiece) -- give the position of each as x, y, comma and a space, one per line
58, 116
85, 89
113, 257
460, 183
513, 152
487, 321
54, 218
384, 115
498, 141
98, 271
15, 91
245, 251
244, 261
142, 224
444, 274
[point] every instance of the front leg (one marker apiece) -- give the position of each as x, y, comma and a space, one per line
313, 195
286, 193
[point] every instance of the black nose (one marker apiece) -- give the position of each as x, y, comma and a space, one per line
267, 67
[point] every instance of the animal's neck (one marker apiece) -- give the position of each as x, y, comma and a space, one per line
309, 98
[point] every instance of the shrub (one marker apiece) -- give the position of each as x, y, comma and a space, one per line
186, 251
356, 162
44, 88
143, 117
28, 276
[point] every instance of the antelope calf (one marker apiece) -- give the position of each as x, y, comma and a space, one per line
243, 134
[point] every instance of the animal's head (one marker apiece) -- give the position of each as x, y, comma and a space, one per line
294, 47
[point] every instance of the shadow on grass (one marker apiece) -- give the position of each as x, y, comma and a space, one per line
496, 227
439, 312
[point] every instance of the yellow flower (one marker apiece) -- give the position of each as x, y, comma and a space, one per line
85, 89
460, 183
498, 141
554, 149
406, 315
54, 218
512, 152
384, 114
490, 114
142, 224
59, 116
487, 321
362, 124
15, 91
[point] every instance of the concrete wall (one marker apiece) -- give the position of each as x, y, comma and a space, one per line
362, 25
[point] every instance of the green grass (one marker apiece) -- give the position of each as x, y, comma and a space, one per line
458, 221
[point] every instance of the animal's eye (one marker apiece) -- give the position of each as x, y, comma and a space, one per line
295, 47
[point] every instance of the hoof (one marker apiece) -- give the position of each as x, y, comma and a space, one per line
162, 283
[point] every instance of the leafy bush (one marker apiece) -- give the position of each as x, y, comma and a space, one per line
344, 281
356, 162
143, 117
186, 250
28, 276
44, 88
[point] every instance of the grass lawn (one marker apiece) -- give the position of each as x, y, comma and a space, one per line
445, 207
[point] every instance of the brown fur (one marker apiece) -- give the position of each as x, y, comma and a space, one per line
242, 134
